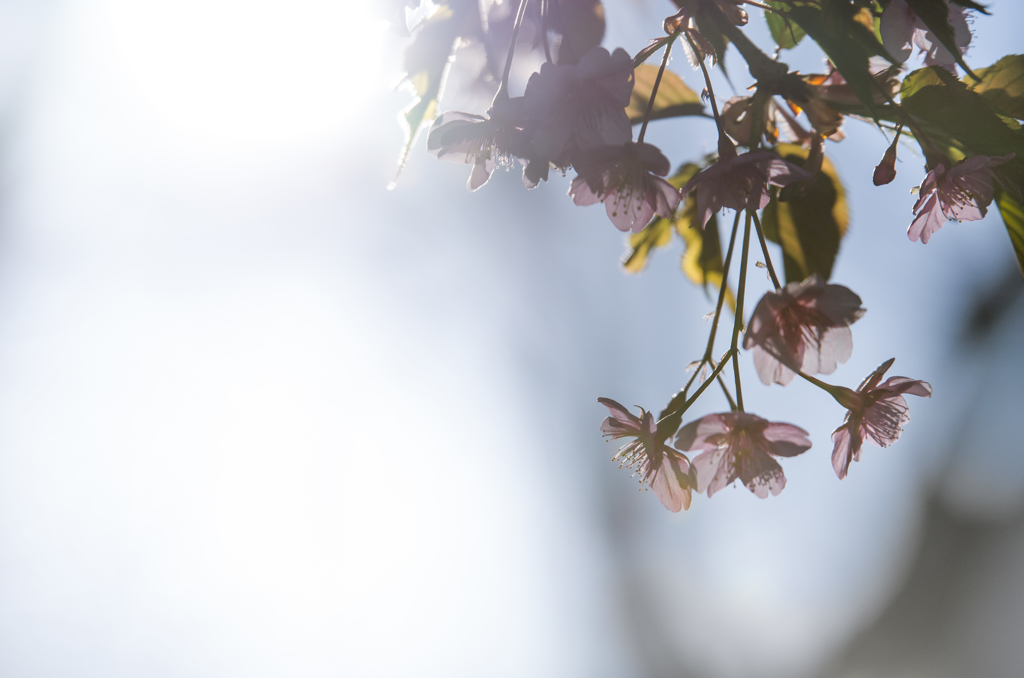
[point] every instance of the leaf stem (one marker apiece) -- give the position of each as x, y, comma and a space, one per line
654, 91
738, 322
722, 288
707, 82
764, 250
503, 88
707, 382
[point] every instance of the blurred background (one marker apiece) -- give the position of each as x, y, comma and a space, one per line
260, 416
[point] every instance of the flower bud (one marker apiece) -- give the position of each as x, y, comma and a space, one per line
885, 172
677, 22
733, 12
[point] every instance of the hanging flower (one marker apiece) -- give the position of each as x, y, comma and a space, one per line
962, 193
901, 28
580, 106
740, 182
743, 446
665, 470
628, 179
877, 413
484, 142
802, 327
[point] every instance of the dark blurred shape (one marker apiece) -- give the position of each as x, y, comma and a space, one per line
959, 613
992, 305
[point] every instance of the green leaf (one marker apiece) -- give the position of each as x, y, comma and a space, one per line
809, 226
935, 96
1013, 217
674, 99
935, 15
702, 260
658, 233
655, 235
786, 33
844, 34
1001, 85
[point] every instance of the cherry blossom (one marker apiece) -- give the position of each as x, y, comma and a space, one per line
743, 446
740, 182
962, 193
803, 327
627, 179
663, 468
901, 29
484, 142
580, 106
877, 413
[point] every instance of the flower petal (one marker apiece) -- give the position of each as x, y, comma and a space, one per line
789, 440
671, 483
696, 434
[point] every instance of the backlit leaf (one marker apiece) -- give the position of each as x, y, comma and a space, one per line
1001, 85
1013, 216
674, 97
786, 33
935, 96
811, 225
658, 233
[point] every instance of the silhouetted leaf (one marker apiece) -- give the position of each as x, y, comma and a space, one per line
786, 33
1001, 85
843, 33
1013, 216
808, 226
674, 97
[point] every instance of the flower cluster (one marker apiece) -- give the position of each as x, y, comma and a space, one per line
577, 113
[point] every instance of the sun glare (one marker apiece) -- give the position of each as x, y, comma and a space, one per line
246, 73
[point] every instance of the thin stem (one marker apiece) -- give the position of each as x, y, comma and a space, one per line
707, 82
725, 390
503, 88
654, 92
707, 382
739, 309
764, 250
722, 288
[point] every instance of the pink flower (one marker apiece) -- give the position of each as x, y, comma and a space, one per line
901, 28
580, 106
738, 445
484, 142
877, 413
627, 179
740, 182
664, 469
802, 327
962, 193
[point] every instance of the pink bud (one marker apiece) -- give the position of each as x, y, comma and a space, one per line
886, 170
